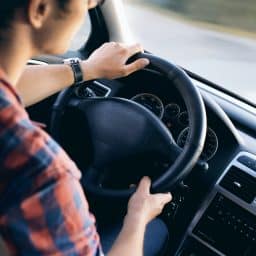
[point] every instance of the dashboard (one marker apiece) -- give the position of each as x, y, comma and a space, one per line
223, 222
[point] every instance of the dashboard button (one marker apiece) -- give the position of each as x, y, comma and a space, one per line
247, 161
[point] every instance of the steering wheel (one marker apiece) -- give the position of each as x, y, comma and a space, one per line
121, 129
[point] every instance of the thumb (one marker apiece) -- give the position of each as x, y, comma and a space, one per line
144, 186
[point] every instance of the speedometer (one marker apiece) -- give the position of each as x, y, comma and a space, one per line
210, 147
151, 102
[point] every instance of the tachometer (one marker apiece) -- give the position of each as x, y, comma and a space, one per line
172, 110
183, 119
210, 147
151, 102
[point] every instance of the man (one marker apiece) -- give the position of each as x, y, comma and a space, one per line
43, 210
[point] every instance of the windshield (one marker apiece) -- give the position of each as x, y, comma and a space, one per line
213, 38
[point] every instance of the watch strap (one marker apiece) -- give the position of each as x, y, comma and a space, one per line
77, 70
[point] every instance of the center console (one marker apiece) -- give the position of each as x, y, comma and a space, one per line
226, 223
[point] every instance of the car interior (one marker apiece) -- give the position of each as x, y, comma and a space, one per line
191, 136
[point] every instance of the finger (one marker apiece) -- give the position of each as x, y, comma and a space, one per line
133, 49
144, 186
136, 65
163, 199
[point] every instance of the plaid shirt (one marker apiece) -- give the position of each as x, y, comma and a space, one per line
43, 210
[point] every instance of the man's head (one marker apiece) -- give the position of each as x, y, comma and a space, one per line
49, 24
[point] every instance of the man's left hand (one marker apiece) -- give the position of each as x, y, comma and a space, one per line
109, 61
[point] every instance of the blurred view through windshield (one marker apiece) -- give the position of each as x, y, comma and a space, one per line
213, 38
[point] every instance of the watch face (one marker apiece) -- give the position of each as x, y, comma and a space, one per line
70, 61
75, 60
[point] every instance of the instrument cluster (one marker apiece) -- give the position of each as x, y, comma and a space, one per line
176, 118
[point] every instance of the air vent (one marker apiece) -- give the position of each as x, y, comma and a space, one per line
240, 183
99, 89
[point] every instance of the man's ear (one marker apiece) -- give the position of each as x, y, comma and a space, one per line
38, 12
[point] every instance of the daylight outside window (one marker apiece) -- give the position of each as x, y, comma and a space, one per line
213, 38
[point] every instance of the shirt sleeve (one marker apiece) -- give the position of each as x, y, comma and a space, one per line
43, 209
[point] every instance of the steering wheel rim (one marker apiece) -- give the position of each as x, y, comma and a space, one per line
188, 156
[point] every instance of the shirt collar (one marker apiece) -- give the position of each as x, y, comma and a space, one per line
7, 84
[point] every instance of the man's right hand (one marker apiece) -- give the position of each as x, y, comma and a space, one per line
144, 206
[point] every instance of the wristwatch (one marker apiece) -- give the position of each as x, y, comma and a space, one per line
75, 64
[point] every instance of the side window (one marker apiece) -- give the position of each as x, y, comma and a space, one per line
82, 35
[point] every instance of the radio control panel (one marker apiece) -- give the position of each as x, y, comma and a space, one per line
226, 223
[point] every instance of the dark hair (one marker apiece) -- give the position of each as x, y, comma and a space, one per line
8, 8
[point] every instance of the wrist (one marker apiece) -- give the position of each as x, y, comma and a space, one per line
135, 221
69, 74
88, 72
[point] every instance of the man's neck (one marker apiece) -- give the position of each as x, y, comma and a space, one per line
14, 54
